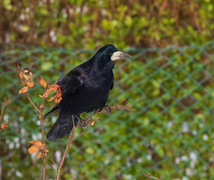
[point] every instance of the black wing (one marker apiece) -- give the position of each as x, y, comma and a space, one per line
70, 83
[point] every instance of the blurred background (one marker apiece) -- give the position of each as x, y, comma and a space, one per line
169, 83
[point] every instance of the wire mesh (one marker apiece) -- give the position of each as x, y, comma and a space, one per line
169, 133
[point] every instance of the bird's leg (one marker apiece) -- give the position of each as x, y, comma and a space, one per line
108, 108
83, 123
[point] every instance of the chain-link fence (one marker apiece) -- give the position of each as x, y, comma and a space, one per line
169, 133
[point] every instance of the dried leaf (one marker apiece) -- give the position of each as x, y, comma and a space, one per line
52, 98
23, 90
43, 148
33, 149
46, 150
21, 75
36, 146
31, 75
43, 82
54, 87
46, 94
30, 84
41, 106
39, 155
92, 123
36, 143
58, 89
57, 100
58, 95
25, 77
3, 126
25, 71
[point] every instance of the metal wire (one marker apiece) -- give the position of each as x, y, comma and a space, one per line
169, 133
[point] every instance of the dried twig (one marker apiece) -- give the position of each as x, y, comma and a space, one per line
88, 123
6, 102
72, 133
152, 177
24, 80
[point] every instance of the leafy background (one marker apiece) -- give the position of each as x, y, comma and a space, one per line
169, 83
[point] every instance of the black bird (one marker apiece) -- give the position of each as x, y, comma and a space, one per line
84, 89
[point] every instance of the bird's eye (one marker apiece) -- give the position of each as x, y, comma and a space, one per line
110, 54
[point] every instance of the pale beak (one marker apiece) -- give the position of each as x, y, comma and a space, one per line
120, 55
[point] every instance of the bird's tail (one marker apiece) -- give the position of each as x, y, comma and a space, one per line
62, 127
54, 110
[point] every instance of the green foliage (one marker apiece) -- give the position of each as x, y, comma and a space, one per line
90, 24
171, 90
171, 87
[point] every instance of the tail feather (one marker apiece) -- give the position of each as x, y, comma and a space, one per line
61, 128
54, 110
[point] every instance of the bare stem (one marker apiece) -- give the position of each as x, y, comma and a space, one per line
72, 133
39, 114
66, 150
53, 161
3, 106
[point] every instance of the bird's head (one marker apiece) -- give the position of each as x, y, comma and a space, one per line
108, 55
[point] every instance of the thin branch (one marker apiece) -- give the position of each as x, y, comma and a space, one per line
39, 114
53, 161
3, 106
43, 133
67, 146
148, 175
72, 133
27, 91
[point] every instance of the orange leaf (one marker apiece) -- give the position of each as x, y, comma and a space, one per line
92, 123
26, 77
39, 155
33, 149
52, 98
31, 75
46, 94
53, 87
58, 89
23, 90
43, 148
30, 84
43, 82
25, 71
41, 106
36, 143
3, 126
46, 150
58, 95
21, 75
57, 100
